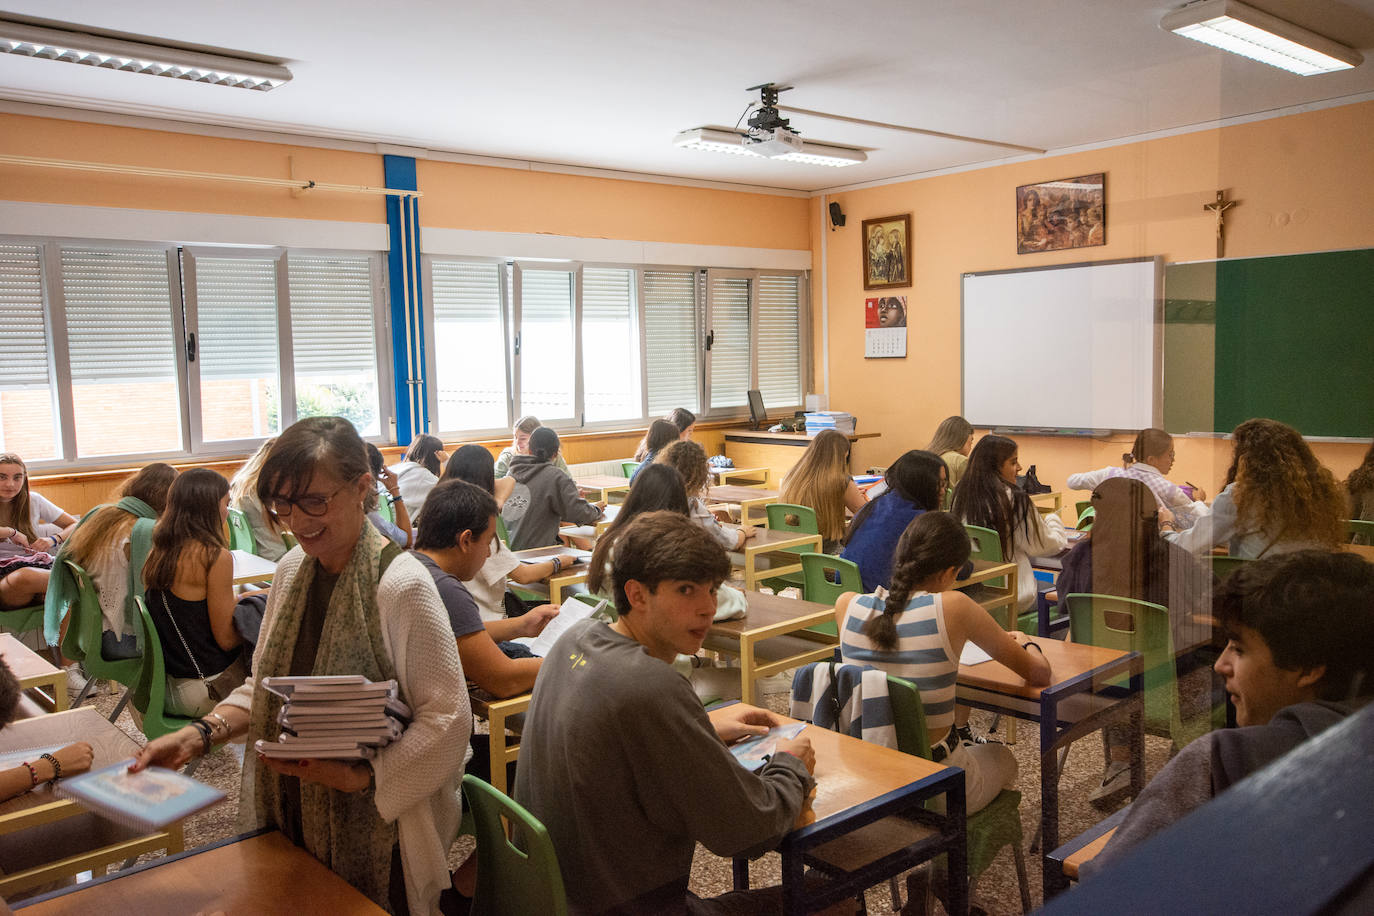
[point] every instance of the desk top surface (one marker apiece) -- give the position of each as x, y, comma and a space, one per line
1067, 661
850, 772
248, 564
733, 493
767, 610
109, 744
601, 482
769, 539
23, 661
257, 874
986, 569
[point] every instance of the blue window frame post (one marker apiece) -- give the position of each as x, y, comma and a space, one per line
407, 306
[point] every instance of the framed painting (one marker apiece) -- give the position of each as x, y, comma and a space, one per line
887, 252
1055, 215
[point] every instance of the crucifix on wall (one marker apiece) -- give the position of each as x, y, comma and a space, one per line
1219, 207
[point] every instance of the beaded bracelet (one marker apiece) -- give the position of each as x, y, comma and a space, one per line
56, 767
33, 774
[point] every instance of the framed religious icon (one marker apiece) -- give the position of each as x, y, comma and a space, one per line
887, 252
1068, 213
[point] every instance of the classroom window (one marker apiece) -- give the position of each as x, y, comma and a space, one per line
28, 413
334, 338
779, 337
610, 345
728, 316
123, 333
470, 342
672, 335
545, 343
135, 352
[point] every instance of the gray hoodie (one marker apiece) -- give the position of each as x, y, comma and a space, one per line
543, 497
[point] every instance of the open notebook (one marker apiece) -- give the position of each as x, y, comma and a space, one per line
573, 610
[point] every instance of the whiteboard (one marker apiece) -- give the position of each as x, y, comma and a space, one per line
1067, 348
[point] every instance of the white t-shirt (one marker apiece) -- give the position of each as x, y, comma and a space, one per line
43, 515
488, 587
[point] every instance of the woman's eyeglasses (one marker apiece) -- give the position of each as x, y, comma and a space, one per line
311, 505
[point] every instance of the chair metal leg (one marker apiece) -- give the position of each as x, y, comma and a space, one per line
1021, 881
85, 692
123, 701
896, 893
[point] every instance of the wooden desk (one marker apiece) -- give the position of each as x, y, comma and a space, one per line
769, 616
262, 873
768, 543
498, 713
778, 452
44, 838
751, 502
1081, 700
1055, 502
35, 673
600, 487
593, 531
744, 477
849, 829
554, 585
987, 570
252, 568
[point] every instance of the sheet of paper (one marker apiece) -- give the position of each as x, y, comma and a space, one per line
573, 610
753, 753
972, 655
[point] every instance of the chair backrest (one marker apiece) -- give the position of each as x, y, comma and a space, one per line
85, 628
987, 545
501, 531
791, 517
1131, 625
150, 694
628, 467
818, 584
240, 532
908, 717
1083, 505
1086, 519
513, 878
1360, 531
1223, 566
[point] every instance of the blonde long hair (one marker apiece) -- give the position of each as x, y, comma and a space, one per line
245, 482
110, 525
819, 481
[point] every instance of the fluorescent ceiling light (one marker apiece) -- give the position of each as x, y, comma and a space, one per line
136, 57
1233, 26
719, 140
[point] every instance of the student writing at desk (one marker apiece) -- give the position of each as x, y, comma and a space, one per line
620, 761
1149, 461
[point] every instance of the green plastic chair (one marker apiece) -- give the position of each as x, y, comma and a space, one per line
1223, 566
501, 531
513, 877
1360, 531
1083, 505
150, 696
22, 619
796, 519
385, 509
996, 826
1086, 519
85, 624
628, 467
819, 585
988, 546
1131, 625
241, 533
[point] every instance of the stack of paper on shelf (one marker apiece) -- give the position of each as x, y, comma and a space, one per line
343, 717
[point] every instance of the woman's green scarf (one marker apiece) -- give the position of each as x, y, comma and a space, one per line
341, 829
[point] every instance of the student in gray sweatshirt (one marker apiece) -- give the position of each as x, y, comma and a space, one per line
543, 496
1298, 660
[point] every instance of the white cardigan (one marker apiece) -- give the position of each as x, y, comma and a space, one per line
418, 776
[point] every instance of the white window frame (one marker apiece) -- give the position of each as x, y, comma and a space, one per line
503, 279
574, 268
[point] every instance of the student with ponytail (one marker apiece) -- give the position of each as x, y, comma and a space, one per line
918, 632
1149, 461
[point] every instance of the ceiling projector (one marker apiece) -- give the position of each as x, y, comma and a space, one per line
777, 141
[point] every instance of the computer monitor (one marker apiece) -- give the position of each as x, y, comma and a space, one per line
757, 417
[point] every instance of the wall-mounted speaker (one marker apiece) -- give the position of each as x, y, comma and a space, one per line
836, 216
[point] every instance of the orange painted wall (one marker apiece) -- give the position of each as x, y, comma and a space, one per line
1303, 183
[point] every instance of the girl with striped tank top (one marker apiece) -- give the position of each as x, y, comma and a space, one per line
917, 631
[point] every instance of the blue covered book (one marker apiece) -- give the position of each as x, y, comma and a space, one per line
149, 800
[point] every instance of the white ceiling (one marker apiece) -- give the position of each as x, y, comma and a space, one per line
608, 83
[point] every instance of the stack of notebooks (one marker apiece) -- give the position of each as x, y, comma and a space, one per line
341, 717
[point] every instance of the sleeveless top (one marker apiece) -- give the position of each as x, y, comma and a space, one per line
193, 620
922, 654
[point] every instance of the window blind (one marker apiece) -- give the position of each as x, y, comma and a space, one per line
547, 376
471, 390
729, 307
610, 376
671, 340
22, 326
236, 317
331, 314
119, 314
779, 349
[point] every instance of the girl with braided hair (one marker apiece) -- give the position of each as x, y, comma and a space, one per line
917, 631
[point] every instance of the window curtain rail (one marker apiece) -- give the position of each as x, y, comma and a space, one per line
290, 184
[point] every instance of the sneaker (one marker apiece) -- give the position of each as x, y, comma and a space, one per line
966, 735
76, 679
1116, 778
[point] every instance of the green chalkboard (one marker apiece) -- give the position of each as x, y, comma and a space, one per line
1290, 338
